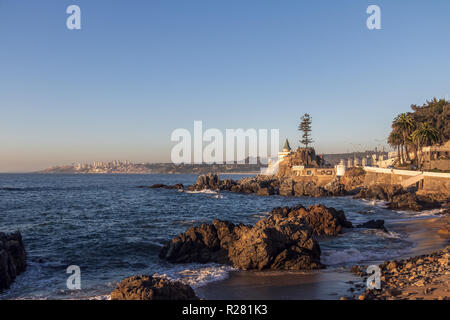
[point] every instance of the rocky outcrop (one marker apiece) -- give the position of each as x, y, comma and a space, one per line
13, 258
335, 188
398, 198
373, 224
385, 192
177, 186
205, 243
209, 181
423, 277
268, 185
353, 178
411, 201
152, 288
303, 156
322, 220
276, 242
309, 189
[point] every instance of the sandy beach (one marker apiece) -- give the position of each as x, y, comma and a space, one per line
333, 283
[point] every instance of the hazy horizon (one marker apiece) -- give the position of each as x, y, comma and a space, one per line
117, 88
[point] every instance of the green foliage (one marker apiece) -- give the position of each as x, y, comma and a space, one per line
425, 135
305, 127
426, 125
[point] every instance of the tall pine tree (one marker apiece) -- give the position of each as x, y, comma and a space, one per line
305, 127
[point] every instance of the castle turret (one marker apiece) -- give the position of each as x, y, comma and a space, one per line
287, 147
286, 150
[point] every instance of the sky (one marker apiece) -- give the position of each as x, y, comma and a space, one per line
137, 70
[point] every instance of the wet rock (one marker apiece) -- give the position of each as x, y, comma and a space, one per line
385, 192
309, 189
323, 220
13, 258
152, 288
209, 181
276, 242
287, 188
373, 224
205, 243
163, 186
335, 188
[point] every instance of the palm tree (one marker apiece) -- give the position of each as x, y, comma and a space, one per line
395, 140
405, 125
425, 135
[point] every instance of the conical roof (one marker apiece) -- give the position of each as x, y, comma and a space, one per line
286, 147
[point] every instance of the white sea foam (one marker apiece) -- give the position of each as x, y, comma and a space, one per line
197, 275
424, 213
205, 191
375, 203
381, 233
353, 255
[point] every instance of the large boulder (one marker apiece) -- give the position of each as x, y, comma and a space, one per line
353, 178
152, 288
272, 243
287, 187
206, 181
276, 243
411, 201
322, 220
373, 224
205, 243
384, 192
309, 189
335, 188
13, 258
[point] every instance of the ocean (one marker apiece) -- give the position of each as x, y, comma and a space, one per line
112, 229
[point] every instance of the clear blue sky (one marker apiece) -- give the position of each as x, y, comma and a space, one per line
137, 70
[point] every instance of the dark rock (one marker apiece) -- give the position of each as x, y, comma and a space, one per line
323, 220
410, 201
152, 288
163, 186
206, 243
272, 243
309, 189
158, 185
209, 181
13, 258
276, 243
335, 188
373, 224
287, 187
385, 192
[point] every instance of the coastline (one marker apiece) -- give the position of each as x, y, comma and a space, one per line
329, 284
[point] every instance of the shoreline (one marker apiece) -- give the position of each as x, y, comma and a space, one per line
328, 284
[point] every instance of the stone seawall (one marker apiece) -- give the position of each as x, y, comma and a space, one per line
432, 182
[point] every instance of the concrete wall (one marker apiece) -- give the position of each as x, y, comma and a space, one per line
433, 182
437, 164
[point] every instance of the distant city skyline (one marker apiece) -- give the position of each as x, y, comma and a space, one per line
117, 88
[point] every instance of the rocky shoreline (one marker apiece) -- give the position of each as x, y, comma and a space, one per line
13, 258
424, 277
286, 240
396, 196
